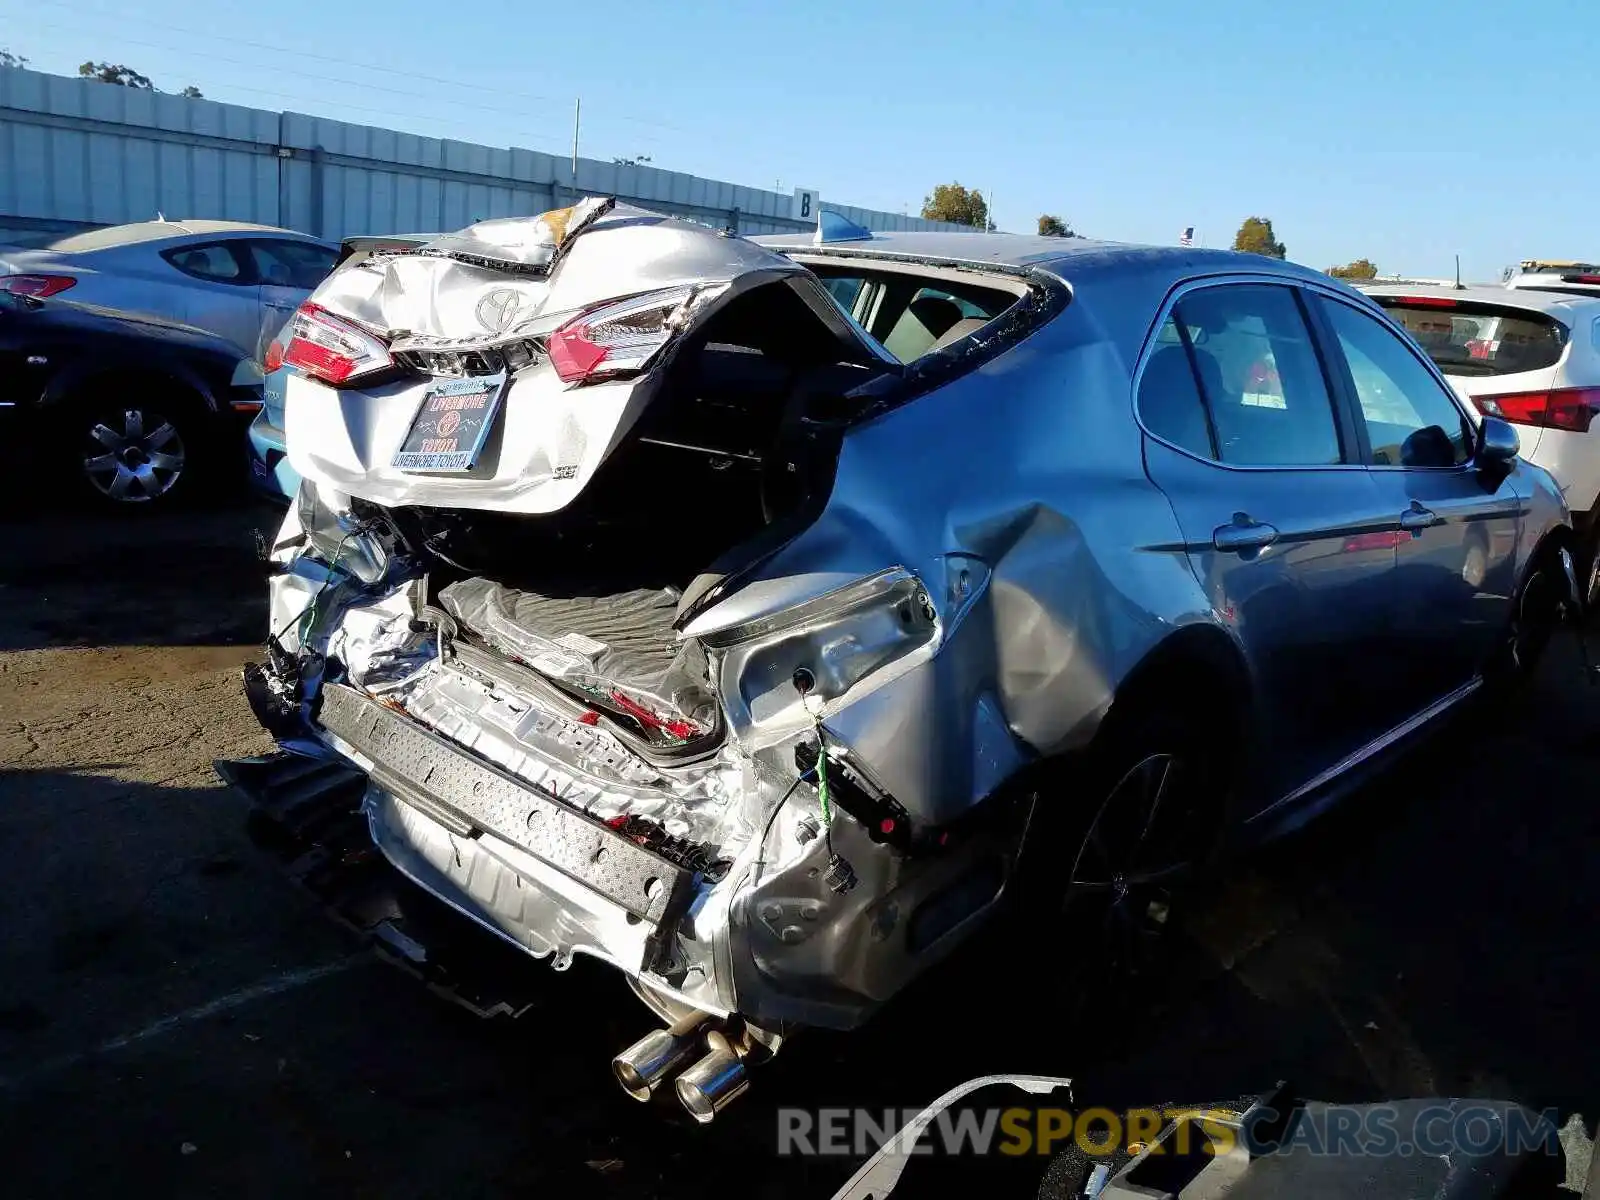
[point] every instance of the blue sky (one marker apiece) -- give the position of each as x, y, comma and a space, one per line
1404, 130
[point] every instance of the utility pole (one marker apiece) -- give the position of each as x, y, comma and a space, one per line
577, 116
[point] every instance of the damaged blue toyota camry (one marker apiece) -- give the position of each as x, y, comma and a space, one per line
755, 616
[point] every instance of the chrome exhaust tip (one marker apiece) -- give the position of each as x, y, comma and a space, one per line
713, 1083
652, 1060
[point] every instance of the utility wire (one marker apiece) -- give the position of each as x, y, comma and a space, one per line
391, 112
339, 60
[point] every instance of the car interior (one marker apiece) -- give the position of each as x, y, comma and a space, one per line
911, 315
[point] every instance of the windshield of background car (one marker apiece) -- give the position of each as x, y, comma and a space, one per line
1481, 339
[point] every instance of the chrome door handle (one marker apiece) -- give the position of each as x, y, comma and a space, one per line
1416, 518
1243, 534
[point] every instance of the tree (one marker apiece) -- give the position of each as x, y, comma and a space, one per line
127, 77
952, 202
116, 73
1054, 227
637, 160
1361, 268
8, 59
1255, 237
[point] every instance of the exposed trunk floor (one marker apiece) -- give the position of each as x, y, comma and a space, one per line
624, 639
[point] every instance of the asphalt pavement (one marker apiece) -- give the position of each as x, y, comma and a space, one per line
176, 1018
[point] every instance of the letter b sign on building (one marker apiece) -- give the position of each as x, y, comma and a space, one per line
805, 204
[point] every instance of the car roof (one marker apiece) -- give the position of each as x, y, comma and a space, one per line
1030, 250
1494, 293
112, 236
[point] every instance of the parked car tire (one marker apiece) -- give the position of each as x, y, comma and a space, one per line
1535, 616
1134, 824
1586, 558
149, 450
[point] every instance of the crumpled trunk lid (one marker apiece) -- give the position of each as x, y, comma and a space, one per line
483, 303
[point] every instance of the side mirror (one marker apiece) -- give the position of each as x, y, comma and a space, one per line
1498, 443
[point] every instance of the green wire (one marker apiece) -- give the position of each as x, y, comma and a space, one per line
822, 776
310, 610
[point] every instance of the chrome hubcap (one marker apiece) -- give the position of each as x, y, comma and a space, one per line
135, 458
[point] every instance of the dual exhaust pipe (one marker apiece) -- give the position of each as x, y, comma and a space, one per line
706, 1066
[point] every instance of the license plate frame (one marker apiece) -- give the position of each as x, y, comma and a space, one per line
448, 431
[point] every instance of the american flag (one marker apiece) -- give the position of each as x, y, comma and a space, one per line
1186, 238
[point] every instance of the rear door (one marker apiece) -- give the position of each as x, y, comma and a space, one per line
218, 287
287, 272
1456, 558
1283, 525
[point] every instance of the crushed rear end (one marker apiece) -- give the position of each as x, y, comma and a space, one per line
527, 586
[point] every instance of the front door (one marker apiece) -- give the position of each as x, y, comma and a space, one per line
1456, 558
1284, 528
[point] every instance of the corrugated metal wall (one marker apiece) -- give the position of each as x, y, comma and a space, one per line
75, 152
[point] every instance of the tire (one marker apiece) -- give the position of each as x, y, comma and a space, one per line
146, 452
1587, 561
1110, 872
1535, 616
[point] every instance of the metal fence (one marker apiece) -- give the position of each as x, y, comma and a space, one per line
77, 153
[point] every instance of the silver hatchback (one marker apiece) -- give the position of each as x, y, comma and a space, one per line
757, 618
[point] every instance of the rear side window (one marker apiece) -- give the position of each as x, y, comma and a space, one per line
1169, 398
845, 289
1250, 356
1480, 339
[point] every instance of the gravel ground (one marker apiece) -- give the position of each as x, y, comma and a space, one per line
176, 1018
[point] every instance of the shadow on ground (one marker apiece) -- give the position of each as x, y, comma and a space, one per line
75, 576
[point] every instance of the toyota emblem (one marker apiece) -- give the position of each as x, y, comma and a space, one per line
498, 310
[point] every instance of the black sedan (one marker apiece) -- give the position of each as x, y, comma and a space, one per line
131, 411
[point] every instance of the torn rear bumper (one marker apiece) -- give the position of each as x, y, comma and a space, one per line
463, 793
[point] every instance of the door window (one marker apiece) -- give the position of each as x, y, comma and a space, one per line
214, 262
1250, 351
291, 264
1411, 420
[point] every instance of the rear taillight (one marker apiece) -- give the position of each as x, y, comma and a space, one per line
39, 287
617, 338
332, 349
1570, 409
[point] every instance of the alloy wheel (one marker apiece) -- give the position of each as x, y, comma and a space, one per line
134, 457
1120, 891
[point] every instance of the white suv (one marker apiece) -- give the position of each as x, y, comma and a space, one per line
1577, 279
1530, 356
